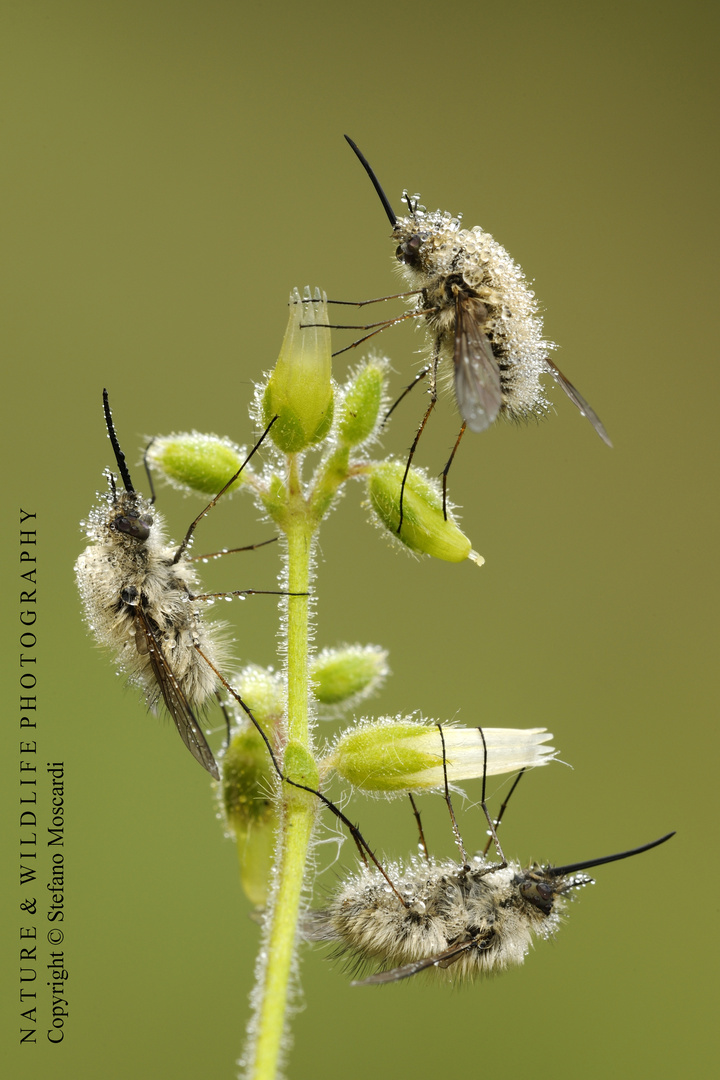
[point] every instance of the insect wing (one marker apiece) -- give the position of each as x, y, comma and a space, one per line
579, 401
406, 971
173, 695
477, 376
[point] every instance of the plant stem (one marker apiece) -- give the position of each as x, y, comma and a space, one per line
298, 807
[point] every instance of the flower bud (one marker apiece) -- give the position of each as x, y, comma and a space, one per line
405, 754
346, 675
362, 403
424, 529
196, 462
248, 781
263, 691
299, 391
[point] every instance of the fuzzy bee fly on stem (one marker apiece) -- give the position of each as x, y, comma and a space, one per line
141, 600
456, 920
479, 313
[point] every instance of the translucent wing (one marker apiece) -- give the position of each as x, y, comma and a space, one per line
579, 401
443, 960
173, 695
477, 376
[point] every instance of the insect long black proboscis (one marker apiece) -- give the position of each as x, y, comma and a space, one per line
139, 596
119, 456
467, 918
392, 216
573, 868
480, 316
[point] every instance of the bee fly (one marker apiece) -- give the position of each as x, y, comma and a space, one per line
141, 600
139, 597
479, 312
455, 920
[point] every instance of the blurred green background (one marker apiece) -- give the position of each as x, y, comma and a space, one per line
171, 170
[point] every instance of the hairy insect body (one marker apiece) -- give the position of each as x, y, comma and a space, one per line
139, 603
460, 921
480, 313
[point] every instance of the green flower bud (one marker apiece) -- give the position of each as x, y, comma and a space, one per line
248, 780
196, 462
395, 755
362, 403
424, 529
346, 675
299, 391
263, 691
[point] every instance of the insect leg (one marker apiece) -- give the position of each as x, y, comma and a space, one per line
420, 375
231, 551
148, 472
446, 470
227, 717
360, 842
423, 844
491, 823
448, 800
376, 328
201, 515
503, 808
432, 390
244, 592
377, 299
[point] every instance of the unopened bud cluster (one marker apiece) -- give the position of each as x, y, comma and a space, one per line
302, 409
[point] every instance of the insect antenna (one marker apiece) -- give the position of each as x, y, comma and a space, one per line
119, 456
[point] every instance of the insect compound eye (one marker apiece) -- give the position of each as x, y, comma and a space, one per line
133, 525
129, 595
540, 893
407, 252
